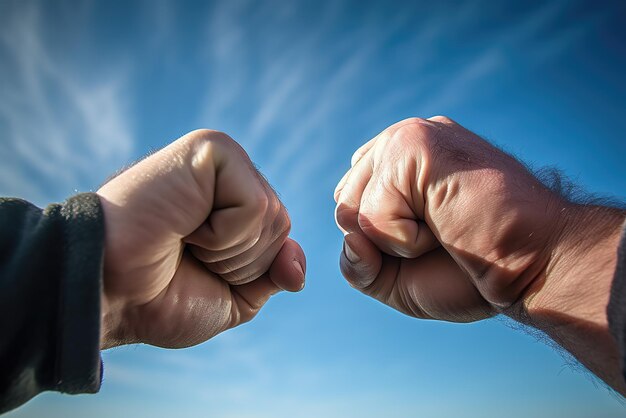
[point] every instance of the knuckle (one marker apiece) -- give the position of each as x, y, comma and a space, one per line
285, 223
441, 119
356, 156
337, 193
417, 135
260, 204
279, 223
205, 135
415, 120
220, 140
409, 134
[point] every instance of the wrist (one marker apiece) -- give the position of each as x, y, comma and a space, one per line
111, 324
577, 278
569, 301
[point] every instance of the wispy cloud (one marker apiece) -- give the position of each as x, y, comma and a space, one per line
60, 132
296, 90
536, 37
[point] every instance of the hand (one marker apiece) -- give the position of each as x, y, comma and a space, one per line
196, 243
445, 225
440, 224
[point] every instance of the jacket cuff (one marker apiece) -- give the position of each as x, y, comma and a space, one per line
78, 364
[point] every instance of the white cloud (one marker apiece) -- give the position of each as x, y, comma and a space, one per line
59, 132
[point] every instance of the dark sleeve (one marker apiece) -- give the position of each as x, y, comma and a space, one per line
50, 283
616, 310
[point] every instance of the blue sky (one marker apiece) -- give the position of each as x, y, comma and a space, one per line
86, 87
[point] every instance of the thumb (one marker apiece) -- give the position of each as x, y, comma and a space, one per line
286, 273
289, 267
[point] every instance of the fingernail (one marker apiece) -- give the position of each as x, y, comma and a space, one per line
350, 254
298, 267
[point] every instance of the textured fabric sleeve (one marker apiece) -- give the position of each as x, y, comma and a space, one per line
616, 310
50, 286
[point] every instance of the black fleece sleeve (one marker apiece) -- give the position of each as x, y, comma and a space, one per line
50, 286
616, 310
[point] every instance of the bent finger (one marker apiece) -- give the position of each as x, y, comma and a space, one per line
349, 200
388, 221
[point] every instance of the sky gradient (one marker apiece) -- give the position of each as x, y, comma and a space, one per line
88, 87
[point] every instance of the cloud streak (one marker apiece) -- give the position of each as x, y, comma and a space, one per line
59, 133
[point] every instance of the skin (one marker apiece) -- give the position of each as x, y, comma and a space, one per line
439, 224
196, 243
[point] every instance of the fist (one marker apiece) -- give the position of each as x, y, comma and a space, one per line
196, 243
440, 224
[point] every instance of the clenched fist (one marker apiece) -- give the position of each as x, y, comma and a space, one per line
196, 243
440, 224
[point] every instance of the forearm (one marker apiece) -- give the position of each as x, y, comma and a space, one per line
569, 300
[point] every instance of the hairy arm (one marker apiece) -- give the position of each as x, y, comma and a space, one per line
570, 303
440, 224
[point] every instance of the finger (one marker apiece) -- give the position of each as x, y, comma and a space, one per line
389, 221
241, 201
356, 157
360, 261
286, 273
442, 119
430, 286
254, 268
347, 209
362, 150
341, 184
202, 238
239, 268
289, 267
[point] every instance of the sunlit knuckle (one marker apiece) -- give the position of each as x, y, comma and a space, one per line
441, 119
337, 193
414, 120
407, 136
200, 137
356, 156
217, 141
